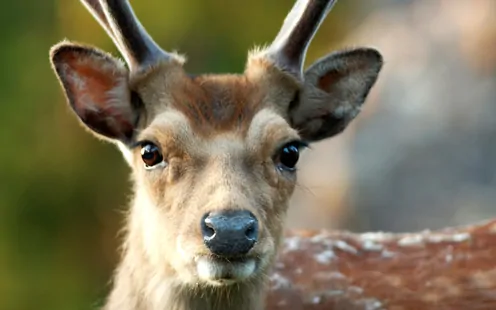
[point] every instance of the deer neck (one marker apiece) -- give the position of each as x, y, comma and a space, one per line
170, 295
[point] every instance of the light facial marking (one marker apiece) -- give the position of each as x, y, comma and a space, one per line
168, 126
217, 272
268, 134
268, 127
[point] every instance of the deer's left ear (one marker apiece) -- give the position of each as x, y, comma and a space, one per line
335, 88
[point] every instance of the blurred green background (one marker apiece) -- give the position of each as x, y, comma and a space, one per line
62, 191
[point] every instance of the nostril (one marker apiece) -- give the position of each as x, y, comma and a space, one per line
208, 230
251, 231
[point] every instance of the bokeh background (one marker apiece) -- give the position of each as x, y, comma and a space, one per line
421, 155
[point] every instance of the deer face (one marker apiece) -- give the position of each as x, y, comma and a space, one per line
215, 166
214, 157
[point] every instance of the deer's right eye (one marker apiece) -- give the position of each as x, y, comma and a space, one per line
151, 155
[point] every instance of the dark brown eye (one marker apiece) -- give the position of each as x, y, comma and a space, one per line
151, 155
289, 155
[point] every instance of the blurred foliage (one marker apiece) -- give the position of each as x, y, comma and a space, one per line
62, 190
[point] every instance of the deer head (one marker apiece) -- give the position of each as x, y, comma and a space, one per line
213, 156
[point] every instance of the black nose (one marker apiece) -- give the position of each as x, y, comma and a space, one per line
229, 233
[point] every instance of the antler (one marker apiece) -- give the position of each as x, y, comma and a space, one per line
130, 37
291, 43
96, 10
432, 270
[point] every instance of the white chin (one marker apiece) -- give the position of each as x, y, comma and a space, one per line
222, 272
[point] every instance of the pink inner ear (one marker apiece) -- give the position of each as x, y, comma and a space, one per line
98, 93
329, 79
89, 84
333, 76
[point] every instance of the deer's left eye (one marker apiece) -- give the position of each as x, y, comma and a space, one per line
288, 155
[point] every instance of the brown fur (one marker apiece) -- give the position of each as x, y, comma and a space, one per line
220, 137
223, 172
219, 102
216, 103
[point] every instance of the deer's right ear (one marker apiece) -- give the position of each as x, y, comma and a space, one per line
97, 89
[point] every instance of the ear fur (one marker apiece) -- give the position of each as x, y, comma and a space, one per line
97, 90
334, 90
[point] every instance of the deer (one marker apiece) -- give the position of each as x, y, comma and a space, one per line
214, 163
213, 159
445, 269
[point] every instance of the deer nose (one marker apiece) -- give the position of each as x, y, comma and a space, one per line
229, 233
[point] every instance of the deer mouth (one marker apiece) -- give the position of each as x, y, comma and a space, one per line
222, 271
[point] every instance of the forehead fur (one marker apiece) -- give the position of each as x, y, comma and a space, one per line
217, 103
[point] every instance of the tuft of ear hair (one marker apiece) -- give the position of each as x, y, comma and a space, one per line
97, 89
335, 87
